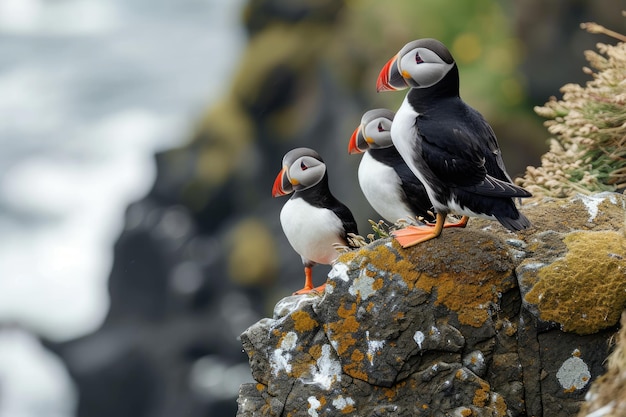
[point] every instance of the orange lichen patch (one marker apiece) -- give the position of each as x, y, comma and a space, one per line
344, 343
470, 295
466, 412
378, 284
570, 389
260, 387
349, 408
585, 291
511, 330
344, 328
303, 322
389, 393
481, 395
281, 337
347, 257
355, 370
384, 258
300, 367
315, 351
500, 406
357, 355
349, 323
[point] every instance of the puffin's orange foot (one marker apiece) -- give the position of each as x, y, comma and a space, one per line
412, 235
460, 223
308, 290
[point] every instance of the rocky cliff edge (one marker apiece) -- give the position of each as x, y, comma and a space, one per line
479, 322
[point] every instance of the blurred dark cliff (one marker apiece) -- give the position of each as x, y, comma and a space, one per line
202, 257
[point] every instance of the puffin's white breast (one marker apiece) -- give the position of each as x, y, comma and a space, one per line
404, 136
311, 231
382, 189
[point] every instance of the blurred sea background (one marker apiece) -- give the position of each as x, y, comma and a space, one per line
140, 140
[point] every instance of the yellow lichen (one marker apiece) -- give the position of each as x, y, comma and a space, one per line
383, 258
355, 370
315, 351
344, 328
585, 291
481, 395
303, 322
469, 295
357, 355
500, 406
570, 389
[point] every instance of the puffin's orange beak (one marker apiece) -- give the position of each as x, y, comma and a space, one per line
390, 77
353, 145
281, 186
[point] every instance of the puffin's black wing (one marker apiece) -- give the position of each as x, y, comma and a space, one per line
347, 219
466, 155
451, 154
491, 150
415, 192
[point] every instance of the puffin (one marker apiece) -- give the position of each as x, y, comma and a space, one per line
388, 184
313, 220
446, 143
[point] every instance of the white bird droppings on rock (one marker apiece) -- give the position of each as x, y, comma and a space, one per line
339, 270
591, 203
363, 286
279, 361
340, 403
419, 338
314, 405
328, 370
372, 347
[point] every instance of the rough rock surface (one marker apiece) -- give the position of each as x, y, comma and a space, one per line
480, 322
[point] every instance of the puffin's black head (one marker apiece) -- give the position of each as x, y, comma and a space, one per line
419, 64
373, 132
302, 168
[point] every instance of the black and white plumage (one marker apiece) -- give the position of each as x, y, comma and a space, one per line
385, 179
447, 144
313, 220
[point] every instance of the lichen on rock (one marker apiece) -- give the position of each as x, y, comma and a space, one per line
480, 321
393, 322
585, 290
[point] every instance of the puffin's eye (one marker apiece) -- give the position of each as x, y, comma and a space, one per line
303, 167
380, 127
418, 58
